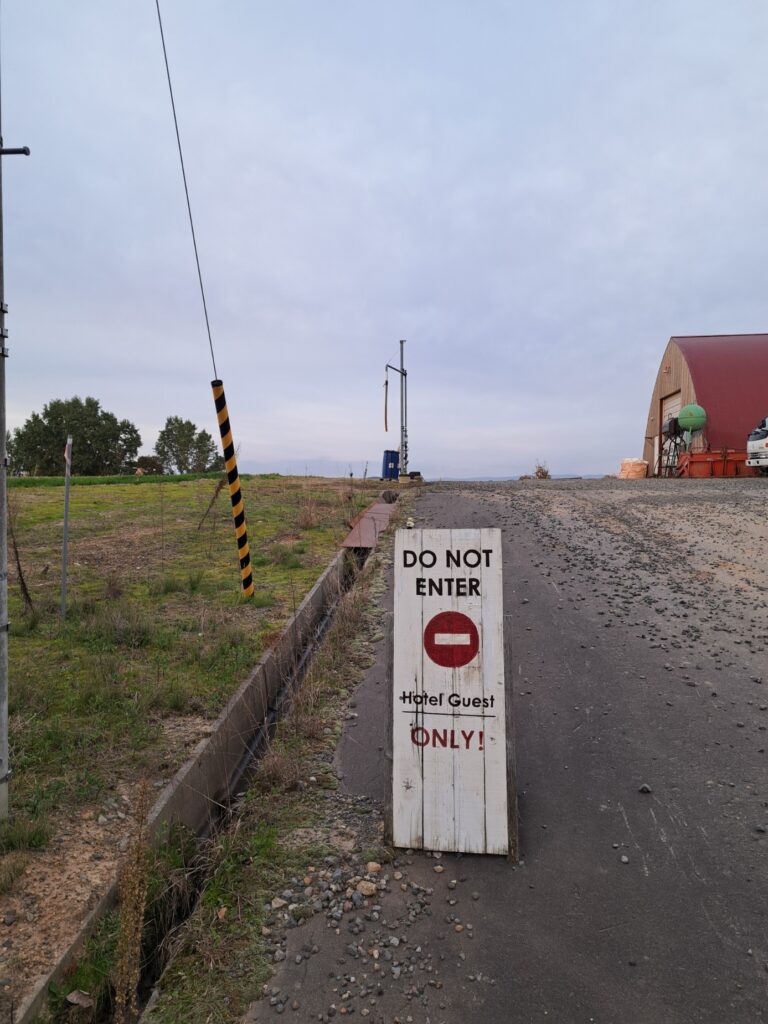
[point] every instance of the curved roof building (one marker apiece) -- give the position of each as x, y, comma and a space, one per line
727, 374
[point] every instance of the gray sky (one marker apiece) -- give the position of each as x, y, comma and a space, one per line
534, 195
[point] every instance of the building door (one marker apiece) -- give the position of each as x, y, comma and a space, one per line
670, 406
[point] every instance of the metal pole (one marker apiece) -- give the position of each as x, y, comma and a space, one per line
64, 560
4, 625
403, 413
5, 770
403, 453
403, 408
405, 418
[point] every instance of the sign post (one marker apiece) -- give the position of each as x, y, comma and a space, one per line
453, 783
65, 541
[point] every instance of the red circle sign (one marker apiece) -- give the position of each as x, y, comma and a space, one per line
451, 639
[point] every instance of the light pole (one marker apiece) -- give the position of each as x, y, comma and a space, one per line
5, 771
403, 410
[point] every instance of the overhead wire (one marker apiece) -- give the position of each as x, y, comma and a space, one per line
186, 188
220, 401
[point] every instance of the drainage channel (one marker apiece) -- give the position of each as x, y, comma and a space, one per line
155, 961
282, 705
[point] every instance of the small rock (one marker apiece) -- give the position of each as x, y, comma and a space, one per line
645, 788
366, 888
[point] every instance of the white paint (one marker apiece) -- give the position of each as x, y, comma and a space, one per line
450, 797
453, 639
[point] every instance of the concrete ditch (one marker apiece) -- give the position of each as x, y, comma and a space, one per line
203, 787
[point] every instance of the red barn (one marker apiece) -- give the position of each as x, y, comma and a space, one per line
726, 374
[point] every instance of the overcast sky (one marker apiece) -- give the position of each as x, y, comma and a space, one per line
534, 195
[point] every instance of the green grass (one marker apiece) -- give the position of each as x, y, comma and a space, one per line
128, 479
156, 626
23, 833
91, 974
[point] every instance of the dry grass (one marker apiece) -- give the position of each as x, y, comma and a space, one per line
133, 898
279, 768
12, 866
309, 514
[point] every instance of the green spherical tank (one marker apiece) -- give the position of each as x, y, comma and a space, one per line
692, 417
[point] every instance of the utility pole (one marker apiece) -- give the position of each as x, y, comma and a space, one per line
5, 771
403, 409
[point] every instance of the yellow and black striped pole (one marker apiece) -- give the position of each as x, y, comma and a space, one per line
235, 494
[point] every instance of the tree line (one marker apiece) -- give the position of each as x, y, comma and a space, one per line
103, 445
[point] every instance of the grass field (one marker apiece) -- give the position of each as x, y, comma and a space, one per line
33, 482
156, 629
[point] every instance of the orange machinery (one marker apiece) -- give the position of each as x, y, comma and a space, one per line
726, 462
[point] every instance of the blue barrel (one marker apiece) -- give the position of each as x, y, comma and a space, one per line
390, 469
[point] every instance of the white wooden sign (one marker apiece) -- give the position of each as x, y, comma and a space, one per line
449, 744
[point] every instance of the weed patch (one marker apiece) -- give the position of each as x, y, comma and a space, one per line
91, 975
21, 833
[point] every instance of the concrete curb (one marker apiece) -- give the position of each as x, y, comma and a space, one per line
202, 785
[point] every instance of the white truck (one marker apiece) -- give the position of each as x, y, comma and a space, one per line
757, 447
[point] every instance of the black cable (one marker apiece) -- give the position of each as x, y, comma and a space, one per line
186, 189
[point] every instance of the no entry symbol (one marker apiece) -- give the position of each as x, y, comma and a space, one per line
451, 639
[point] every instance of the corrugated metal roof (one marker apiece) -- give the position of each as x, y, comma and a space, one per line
730, 378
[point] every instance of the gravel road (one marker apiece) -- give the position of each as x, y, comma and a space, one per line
640, 620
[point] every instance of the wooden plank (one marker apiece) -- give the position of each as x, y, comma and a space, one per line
496, 745
389, 627
449, 775
407, 671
